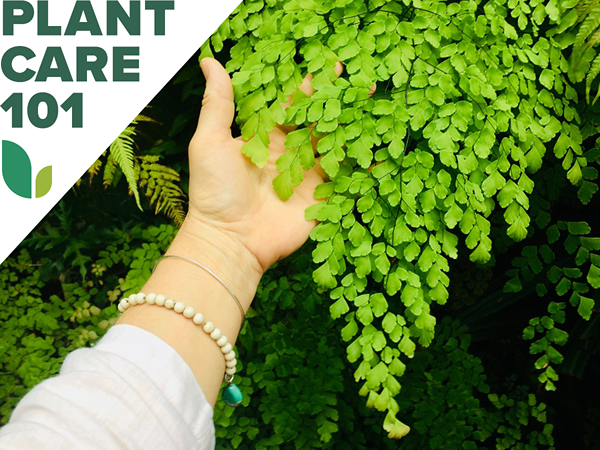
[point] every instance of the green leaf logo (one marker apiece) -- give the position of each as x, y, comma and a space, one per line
17, 172
43, 182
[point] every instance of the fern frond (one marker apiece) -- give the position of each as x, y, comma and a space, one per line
95, 168
162, 172
109, 171
161, 188
589, 25
142, 118
122, 152
593, 40
145, 159
591, 76
583, 8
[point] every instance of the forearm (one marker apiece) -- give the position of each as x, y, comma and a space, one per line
185, 282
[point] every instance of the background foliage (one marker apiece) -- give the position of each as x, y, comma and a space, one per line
413, 306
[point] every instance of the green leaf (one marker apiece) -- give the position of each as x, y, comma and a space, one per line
553, 234
383, 264
383, 107
407, 346
357, 234
587, 191
364, 314
377, 375
585, 308
563, 286
322, 251
349, 331
379, 304
547, 78
323, 277
389, 322
283, 185
593, 276
493, 183
257, 151
392, 284
330, 164
339, 308
453, 216
578, 228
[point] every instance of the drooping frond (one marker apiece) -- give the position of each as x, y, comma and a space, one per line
161, 188
121, 151
95, 168
109, 171
142, 118
160, 184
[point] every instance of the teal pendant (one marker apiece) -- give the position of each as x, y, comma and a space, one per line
232, 396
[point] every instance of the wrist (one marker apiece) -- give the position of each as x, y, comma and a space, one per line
221, 252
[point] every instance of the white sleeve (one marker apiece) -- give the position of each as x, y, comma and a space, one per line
131, 391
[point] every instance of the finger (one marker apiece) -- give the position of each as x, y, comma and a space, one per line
218, 109
305, 87
373, 89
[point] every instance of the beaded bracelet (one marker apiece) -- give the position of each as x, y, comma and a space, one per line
232, 395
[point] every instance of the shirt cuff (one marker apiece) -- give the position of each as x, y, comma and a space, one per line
168, 371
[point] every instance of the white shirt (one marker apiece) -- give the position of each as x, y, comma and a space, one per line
131, 390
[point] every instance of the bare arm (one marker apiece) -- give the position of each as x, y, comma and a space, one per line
236, 226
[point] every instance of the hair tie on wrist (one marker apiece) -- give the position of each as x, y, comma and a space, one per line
214, 275
232, 395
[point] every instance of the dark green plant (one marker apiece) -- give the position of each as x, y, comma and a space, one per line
159, 183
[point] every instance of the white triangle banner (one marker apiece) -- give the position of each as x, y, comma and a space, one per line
73, 76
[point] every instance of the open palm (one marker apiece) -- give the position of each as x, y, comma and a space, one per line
231, 194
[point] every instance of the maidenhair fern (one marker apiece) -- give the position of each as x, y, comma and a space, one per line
472, 100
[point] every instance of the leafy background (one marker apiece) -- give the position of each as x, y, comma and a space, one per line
452, 283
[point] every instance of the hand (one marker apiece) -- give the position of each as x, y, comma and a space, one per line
232, 198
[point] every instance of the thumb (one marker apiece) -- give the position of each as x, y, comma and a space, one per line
218, 108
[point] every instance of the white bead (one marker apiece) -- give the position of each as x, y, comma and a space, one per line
199, 319
231, 363
230, 371
140, 298
216, 334
121, 308
226, 348
222, 341
132, 299
160, 300
151, 299
189, 312
229, 356
209, 327
169, 303
125, 304
179, 307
